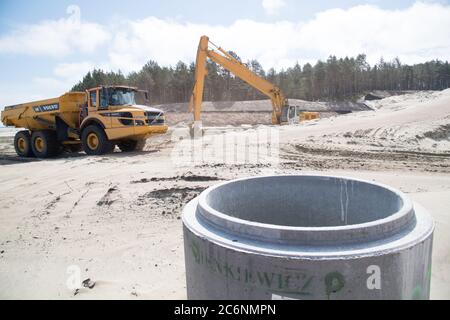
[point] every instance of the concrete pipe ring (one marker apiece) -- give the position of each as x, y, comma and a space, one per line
306, 237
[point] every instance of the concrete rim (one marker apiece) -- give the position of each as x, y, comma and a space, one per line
403, 219
420, 232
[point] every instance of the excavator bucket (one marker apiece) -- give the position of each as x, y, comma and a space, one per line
196, 129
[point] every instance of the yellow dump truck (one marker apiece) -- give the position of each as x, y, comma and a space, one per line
96, 121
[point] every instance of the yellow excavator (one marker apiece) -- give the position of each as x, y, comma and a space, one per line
282, 113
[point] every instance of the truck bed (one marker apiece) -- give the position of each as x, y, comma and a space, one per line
36, 115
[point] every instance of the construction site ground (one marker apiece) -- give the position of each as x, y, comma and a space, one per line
117, 217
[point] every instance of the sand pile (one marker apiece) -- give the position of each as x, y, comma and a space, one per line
418, 121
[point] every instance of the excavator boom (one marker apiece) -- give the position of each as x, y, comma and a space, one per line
227, 61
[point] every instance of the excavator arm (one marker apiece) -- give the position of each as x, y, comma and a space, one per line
227, 61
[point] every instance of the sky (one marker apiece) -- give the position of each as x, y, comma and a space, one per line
47, 46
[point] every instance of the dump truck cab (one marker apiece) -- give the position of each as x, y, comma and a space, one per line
114, 110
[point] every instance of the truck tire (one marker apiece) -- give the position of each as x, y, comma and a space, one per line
22, 144
44, 144
131, 145
95, 141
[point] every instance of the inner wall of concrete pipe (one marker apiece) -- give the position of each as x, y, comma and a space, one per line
304, 201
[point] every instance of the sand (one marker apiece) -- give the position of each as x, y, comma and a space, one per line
116, 218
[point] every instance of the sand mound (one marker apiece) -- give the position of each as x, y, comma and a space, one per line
417, 121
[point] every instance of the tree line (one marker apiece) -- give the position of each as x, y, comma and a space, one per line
333, 79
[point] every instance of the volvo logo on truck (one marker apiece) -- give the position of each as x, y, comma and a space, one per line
48, 107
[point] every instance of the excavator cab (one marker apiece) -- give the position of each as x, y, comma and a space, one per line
289, 115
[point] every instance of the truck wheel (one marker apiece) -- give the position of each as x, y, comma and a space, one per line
95, 141
22, 144
44, 144
131, 145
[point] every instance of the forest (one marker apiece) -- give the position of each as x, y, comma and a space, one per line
330, 80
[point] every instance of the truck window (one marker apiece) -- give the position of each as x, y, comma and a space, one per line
121, 96
93, 99
103, 100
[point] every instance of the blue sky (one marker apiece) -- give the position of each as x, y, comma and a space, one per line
46, 46
16, 12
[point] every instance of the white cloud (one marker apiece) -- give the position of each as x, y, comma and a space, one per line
415, 34
70, 74
67, 70
174, 41
272, 7
56, 38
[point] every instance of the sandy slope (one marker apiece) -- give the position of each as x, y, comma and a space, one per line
419, 121
116, 217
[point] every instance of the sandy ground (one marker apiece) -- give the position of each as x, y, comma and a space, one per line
116, 218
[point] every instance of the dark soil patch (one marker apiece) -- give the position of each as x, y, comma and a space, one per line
187, 177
